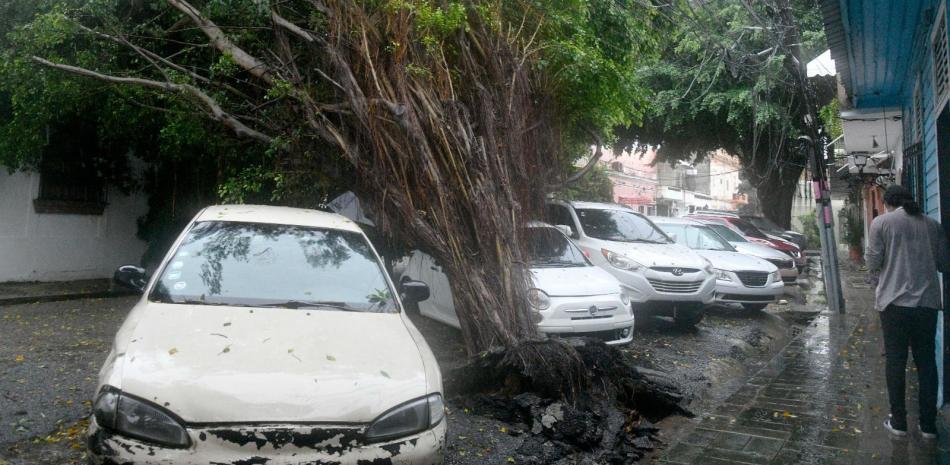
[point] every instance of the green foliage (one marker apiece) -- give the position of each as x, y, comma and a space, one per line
831, 119
595, 186
810, 229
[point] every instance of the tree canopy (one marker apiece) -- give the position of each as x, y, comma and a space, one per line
728, 79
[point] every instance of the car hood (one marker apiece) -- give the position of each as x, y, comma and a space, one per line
735, 261
664, 255
759, 250
213, 364
575, 281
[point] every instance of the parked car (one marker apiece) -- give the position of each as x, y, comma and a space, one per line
272, 335
753, 234
660, 276
769, 227
740, 278
570, 296
785, 264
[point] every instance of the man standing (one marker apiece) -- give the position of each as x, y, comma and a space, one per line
905, 251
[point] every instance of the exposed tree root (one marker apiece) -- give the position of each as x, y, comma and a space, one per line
579, 400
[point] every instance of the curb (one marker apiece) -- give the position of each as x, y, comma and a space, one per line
19, 300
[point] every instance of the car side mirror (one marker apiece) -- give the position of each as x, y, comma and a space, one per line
672, 236
131, 277
566, 230
414, 291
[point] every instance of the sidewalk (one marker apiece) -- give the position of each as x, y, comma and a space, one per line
13, 293
821, 400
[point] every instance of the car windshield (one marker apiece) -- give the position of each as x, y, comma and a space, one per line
696, 237
748, 229
272, 265
619, 226
727, 233
763, 223
547, 247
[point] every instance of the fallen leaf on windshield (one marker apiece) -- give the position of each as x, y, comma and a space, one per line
172, 351
331, 358
384, 373
19, 358
226, 349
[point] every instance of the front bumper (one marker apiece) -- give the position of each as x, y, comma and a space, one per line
603, 317
271, 444
647, 285
736, 292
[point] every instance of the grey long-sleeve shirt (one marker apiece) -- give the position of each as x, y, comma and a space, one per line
904, 254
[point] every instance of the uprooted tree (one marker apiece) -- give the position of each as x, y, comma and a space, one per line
456, 117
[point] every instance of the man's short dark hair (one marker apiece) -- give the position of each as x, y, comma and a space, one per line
900, 196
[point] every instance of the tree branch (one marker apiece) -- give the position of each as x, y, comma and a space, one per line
220, 41
215, 110
598, 154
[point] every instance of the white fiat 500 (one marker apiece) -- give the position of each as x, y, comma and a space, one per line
268, 335
660, 276
570, 296
744, 279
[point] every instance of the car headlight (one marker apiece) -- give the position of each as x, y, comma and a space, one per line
722, 275
776, 276
139, 419
409, 418
624, 299
620, 261
538, 299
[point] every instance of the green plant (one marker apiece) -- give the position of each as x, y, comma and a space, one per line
852, 226
810, 229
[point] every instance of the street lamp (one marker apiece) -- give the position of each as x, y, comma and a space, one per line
860, 160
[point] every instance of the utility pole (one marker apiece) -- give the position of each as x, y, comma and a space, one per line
826, 232
791, 41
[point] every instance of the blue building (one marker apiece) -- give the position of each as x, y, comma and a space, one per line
893, 66
891, 58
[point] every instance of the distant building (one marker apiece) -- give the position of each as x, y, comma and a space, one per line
712, 184
634, 179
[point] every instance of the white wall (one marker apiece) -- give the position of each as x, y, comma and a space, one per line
57, 247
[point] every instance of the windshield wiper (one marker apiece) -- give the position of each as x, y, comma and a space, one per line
648, 241
295, 304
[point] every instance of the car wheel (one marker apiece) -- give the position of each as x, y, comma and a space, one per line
754, 307
688, 318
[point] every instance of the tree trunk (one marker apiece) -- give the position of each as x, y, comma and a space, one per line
776, 194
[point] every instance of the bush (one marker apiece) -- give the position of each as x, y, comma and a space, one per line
810, 229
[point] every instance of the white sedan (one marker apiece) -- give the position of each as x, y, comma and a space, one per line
570, 296
269, 335
744, 279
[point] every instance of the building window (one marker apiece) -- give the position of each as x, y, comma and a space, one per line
913, 175
70, 178
918, 113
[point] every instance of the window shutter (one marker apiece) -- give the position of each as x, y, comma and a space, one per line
918, 113
940, 59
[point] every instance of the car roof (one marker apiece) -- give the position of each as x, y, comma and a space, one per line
277, 215
672, 220
596, 205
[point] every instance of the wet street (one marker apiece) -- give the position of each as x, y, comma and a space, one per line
822, 400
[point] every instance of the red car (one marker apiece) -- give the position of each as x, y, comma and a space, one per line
754, 234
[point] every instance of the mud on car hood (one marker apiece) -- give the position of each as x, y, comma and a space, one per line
735, 261
575, 281
211, 364
658, 255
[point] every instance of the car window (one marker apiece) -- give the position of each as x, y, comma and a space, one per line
763, 224
696, 237
251, 264
547, 247
620, 226
726, 233
748, 229
560, 215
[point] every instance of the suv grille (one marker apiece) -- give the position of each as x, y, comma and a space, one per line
782, 264
753, 278
675, 287
669, 269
